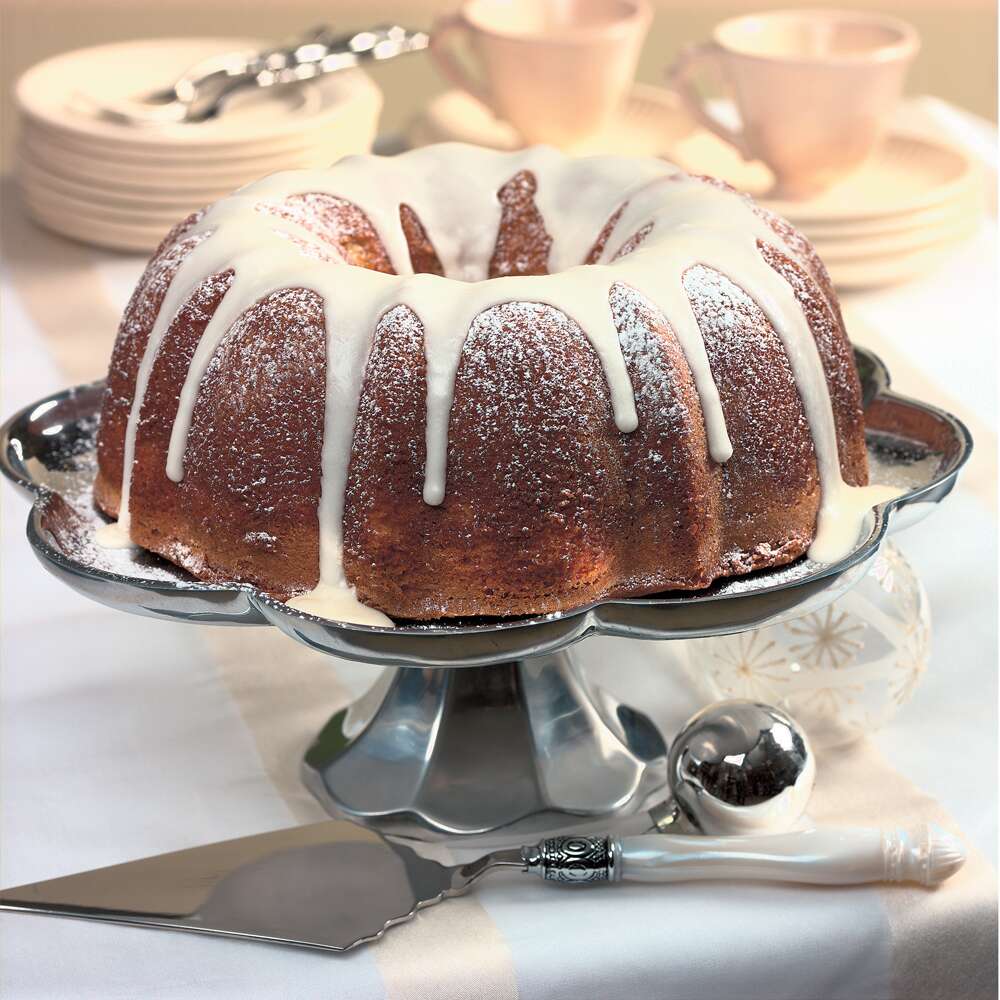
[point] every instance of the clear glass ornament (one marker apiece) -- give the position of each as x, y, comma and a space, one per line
842, 671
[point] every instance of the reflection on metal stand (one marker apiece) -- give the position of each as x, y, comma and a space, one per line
470, 750
486, 722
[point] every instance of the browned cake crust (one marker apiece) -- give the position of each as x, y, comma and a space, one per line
548, 505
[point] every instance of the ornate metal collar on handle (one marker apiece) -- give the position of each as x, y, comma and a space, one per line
926, 855
748, 767
360, 884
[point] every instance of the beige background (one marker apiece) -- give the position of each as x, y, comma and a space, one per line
958, 61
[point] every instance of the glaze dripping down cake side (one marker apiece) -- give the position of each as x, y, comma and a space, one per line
459, 382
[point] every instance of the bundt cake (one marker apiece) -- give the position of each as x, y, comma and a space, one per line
460, 382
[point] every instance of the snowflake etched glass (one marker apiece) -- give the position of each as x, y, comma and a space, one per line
841, 671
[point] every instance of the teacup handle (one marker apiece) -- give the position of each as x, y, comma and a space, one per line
442, 53
680, 77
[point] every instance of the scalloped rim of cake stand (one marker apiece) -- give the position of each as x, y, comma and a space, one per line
731, 606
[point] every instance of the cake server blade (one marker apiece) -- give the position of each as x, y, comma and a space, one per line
327, 885
334, 885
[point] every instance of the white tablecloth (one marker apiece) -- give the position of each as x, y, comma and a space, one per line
123, 737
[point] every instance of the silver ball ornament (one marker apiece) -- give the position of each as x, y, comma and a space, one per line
738, 767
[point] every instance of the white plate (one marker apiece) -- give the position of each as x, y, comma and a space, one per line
99, 212
890, 247
108, 172
860, 274
969, 203
161, 199
135, 239
353, 132
362, 104
75, 143
62, 93
650, 121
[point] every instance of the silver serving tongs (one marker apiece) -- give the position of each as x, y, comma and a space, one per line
201, 93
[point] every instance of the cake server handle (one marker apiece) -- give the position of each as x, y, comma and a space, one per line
830, 856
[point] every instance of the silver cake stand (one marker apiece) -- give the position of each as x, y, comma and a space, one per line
517, 732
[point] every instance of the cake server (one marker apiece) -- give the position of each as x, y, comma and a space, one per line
334, 885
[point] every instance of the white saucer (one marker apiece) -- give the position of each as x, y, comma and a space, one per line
961, 207
649, 123
905, 174
896, 217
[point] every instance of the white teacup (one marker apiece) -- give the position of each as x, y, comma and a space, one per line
814, 88
557, 70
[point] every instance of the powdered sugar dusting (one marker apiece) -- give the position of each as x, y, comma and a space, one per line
663, 227
70, 519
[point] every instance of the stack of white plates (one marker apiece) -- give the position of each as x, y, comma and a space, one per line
897, 216
124, 186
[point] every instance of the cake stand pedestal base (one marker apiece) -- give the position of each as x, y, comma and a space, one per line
473, 749
463, 736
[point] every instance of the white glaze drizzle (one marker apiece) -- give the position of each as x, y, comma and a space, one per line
453, 190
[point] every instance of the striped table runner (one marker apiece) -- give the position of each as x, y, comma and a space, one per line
123, 737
